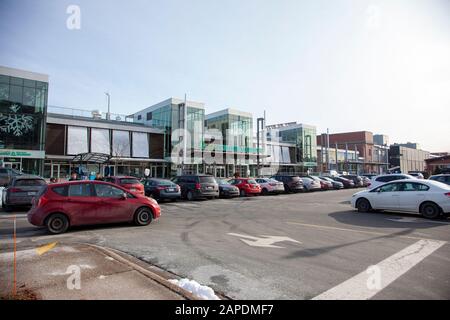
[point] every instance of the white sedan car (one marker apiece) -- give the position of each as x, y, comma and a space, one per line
430, 198
310, 184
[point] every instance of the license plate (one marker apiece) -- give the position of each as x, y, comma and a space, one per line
31, 193
171, 189
209, 187
133, 189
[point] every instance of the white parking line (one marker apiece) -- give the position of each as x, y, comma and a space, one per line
361, 287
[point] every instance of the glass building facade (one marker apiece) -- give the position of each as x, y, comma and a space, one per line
233, 126
23, 107
304, 137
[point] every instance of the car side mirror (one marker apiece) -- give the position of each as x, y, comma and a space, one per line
123, 196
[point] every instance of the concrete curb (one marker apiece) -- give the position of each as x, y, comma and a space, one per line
155, 277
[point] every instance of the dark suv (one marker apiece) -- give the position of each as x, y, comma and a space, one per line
291, 183
21, 190
197, 186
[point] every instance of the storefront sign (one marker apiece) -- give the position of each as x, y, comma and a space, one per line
22, 153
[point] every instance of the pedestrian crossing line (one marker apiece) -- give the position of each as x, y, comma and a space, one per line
368, 283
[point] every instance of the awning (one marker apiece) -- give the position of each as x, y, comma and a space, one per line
92, 157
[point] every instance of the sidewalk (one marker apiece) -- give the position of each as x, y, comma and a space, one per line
82, 272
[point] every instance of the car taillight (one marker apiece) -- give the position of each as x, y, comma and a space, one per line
42, 201
198, 186
15, 190
273, 184
447, 194
160, 188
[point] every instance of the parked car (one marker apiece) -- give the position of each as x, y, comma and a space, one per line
247, 186
291, 183
324, 184
357, 180
428, 197
6, 174
444, 178
366, 181
416, 174
132, 184
310, 184
335, 184
199, 186
21, 190
384, 178
226, 189
346, 182
162, 189
369, 175
270, 186
62, 205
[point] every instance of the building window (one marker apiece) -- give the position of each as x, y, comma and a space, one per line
149, 116
139, 117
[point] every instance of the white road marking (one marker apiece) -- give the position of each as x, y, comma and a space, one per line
359, 288
355, 230
264, 241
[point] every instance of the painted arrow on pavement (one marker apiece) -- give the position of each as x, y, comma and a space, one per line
262, 241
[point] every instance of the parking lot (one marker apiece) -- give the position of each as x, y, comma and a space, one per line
290, 246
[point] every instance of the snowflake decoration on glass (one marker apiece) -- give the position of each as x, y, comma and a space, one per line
14, 123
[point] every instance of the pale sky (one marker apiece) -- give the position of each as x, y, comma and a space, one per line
347, 65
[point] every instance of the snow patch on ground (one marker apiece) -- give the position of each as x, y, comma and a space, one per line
203, 292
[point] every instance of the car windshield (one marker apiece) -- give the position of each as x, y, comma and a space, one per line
251, 181
222, 181
129, 181
30, 182
273, 181
207, 179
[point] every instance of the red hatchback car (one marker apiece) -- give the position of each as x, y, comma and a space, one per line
63, 205
132, 184
247, 186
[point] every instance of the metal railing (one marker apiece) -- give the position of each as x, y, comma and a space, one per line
94, 114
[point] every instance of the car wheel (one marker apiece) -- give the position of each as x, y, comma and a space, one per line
264, 192
143, 217
190, 196
363, 205
242, 193
287, 189
57, 223
430, 210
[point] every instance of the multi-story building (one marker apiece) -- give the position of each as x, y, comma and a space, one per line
231, 132
404, 159
373, 158
438, 165
341, 160
23, 107
184, 153
303, 137
86, 142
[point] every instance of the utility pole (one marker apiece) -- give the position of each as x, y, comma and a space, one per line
108, 114
260, 123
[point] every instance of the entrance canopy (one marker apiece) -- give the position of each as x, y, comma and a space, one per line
92, 157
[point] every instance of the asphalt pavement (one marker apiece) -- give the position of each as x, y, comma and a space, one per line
296, 246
